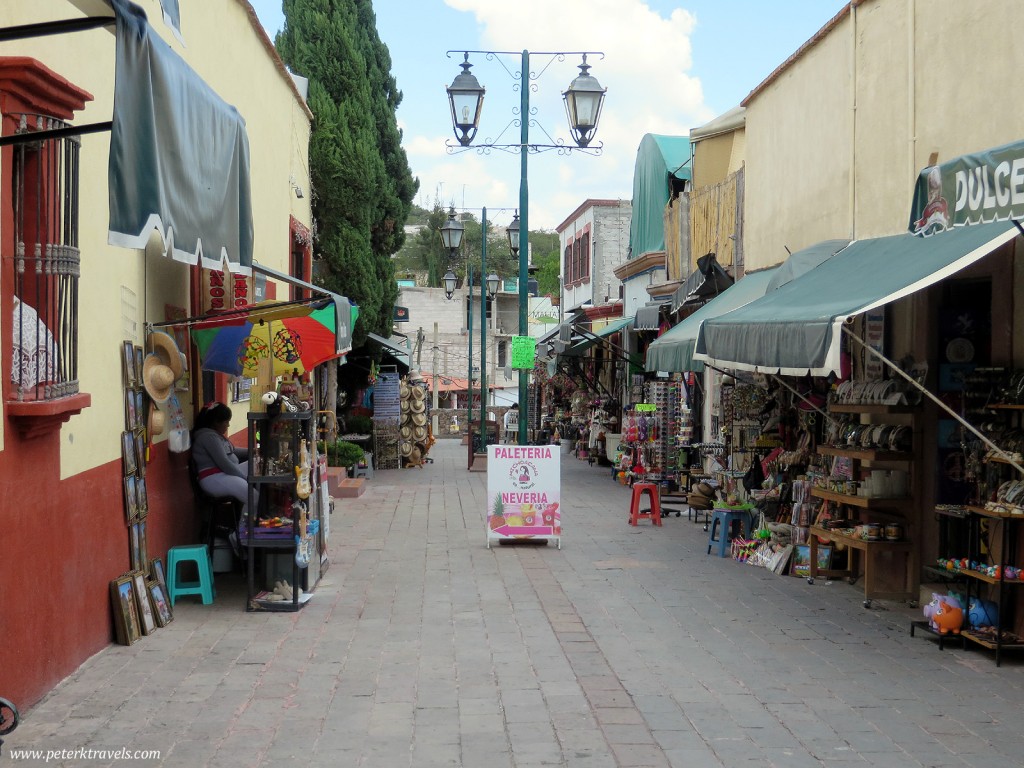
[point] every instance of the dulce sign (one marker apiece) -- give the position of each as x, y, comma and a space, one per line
523, 493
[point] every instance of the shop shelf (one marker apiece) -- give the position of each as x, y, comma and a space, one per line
865, 454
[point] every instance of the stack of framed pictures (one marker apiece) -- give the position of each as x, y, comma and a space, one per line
140, 603
139, 597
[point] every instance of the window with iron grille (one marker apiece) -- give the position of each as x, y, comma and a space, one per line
45, 182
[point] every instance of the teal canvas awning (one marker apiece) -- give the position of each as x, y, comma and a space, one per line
179, 155
673, 350
796, 329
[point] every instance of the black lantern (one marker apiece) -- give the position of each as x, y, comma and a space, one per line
492, 284
583, 103
451, 232
449, 283
466, 97
512, 232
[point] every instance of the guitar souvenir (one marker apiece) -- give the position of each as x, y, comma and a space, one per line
303, 541
302, 487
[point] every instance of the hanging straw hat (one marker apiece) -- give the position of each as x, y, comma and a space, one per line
166, 349
404, 405
418, 393
157, 378
419, 433
406, 431
406, 447
156, 422
415, 377
419, 419
417, 406
403, 392
416, 456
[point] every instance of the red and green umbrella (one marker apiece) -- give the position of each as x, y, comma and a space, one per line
297, 337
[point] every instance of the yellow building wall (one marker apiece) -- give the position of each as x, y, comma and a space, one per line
122, 289
799, 138
836, 140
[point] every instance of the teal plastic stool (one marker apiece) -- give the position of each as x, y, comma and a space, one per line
200, 555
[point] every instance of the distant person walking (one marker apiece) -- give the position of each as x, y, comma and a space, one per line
511, 425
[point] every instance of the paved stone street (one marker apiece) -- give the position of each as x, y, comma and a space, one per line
627, 647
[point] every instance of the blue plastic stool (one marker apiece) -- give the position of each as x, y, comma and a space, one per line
195, 553
722, 521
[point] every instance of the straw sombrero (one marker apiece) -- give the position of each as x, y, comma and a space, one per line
404, 405
404, 391
418, 393
166, 349
416, 456
419, 434
157, 378
156, 422
417, 406
419, 419
406, 431
406, 447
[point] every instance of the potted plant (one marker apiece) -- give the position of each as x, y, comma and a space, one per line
344, 454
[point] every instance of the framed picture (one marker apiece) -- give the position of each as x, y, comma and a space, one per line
139, 355
141, 499
140, 408
802, 559
128, 452
139, 443
131, 505
129, 378
156, 571
143, 545
147, 619
161, 605
131, 417
135, 551
126, 612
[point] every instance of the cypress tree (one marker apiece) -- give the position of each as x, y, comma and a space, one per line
362, 185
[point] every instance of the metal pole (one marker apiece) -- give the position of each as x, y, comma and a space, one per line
483, 326
433, 412
524, 232
469, 372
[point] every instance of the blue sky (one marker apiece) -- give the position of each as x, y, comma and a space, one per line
669, 66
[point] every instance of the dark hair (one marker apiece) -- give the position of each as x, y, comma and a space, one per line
210, 414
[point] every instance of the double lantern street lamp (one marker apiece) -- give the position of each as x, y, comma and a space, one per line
583, 101
451, 237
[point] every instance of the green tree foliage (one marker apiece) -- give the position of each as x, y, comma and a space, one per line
362, 185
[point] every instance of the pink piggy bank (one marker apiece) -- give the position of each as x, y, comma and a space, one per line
948, 618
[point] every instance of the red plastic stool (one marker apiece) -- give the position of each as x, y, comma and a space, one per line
654, 513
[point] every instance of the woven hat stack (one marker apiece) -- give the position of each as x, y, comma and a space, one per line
412, 398
701, 496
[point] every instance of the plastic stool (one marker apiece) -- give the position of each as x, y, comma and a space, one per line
366, 471
195, 553
722, 521
654, 513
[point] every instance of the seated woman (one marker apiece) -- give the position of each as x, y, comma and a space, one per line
222, 467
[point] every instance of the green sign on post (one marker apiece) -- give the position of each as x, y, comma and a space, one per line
524, 352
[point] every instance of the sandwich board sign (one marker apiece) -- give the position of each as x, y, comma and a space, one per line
524, 493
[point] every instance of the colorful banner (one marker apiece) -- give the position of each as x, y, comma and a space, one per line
523, 493
970, 189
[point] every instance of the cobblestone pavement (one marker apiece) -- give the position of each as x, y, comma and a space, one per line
630, 646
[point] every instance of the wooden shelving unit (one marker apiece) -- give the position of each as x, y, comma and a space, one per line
868, 555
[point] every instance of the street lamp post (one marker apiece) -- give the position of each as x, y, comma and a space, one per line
583, 101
